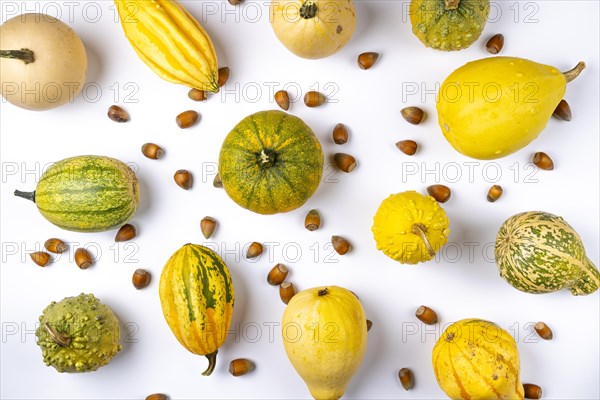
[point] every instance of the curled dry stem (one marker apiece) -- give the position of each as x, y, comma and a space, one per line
420, 230
571, 74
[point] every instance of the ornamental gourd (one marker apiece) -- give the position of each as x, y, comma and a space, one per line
410, 228
325, 337
271, 162
43, 62
170, 41
313, 28
477, 360
196, 294
78, 334
492, 107
86, 194
448, 24
538, 252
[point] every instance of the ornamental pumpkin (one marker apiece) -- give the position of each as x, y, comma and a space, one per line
271, 162
196, 294
538, 252
410, 228
43, 62
313, 28
170, 41
492, 107
448, 24
477, 360
78, 334
325, 337
86, 194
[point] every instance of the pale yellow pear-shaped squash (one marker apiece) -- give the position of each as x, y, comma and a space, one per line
325, 336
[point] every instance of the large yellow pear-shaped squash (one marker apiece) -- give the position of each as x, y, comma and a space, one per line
492, 107
313, 28
477, 360
410, 228
325, 336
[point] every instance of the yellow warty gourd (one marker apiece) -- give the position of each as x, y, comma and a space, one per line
477, 360
410, 228
325, 337
170, 41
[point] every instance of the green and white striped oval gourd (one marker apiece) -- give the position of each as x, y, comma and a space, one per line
539, 252
87, 194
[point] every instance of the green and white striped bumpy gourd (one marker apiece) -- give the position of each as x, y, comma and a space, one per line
538, 252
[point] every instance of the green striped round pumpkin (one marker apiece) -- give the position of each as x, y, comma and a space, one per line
196, 294
538, 252
86, 194
271, 162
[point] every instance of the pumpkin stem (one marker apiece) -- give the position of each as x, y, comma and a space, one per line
26, 195
24, 55
61, 339
574, 73
212, 363
421, 230
451, 4
267, 158
323, 292
308, 10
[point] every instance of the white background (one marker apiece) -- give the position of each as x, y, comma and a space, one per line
458, 285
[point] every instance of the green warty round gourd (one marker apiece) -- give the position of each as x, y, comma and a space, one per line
78, 334
448, 25
538, 252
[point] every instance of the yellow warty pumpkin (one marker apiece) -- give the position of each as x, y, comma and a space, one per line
170, 41
313, 28
477, 360
410, 228
325, 337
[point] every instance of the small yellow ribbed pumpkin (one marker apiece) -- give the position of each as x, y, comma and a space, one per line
477, 360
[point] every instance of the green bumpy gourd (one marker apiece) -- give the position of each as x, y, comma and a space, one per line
78, 334
539, 252
87, 194
448, 25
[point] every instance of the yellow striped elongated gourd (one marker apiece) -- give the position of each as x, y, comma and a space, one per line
538, 252
196, 294
477, 360
170, 41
